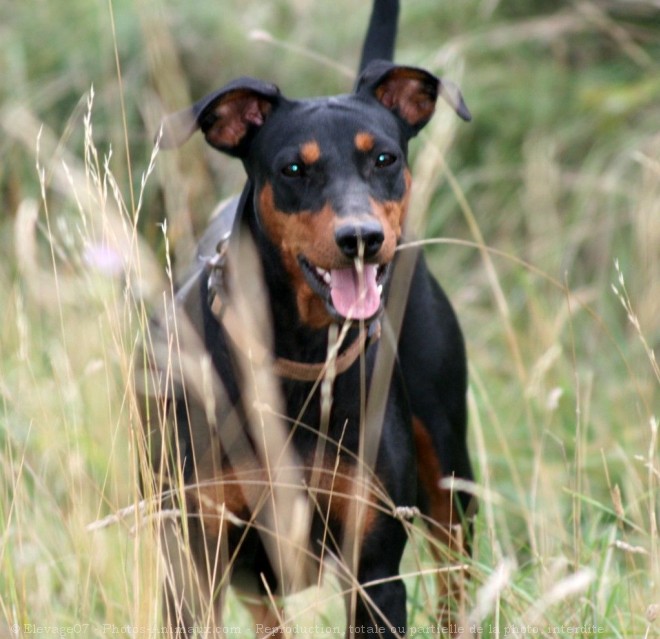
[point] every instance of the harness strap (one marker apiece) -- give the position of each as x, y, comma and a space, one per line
225, 315
305, 372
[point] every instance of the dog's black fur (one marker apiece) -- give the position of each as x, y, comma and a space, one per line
324, 204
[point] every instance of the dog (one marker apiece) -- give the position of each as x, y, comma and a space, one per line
358, 419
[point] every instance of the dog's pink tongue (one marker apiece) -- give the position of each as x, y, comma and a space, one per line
353, 296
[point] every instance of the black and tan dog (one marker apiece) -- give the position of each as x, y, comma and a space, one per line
324, 206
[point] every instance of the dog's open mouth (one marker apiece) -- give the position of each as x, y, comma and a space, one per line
352, 293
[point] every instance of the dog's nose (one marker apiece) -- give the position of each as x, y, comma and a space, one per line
368, 233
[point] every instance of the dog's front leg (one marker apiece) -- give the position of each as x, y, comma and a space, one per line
376, 605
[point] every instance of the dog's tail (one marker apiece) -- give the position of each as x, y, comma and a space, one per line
381, 34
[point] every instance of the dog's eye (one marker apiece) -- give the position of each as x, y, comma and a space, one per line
294, 170
385, 159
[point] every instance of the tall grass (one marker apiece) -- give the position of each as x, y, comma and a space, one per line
547, 214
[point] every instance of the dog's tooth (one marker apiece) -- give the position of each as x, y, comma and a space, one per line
380, 289
323, 274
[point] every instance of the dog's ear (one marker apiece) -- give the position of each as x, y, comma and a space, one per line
229, 117
409, 92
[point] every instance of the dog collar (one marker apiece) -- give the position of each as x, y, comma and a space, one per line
225, 315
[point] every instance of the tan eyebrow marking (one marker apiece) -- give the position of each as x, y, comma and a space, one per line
310, 152
364, 141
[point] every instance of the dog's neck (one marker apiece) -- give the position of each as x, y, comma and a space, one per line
292, 339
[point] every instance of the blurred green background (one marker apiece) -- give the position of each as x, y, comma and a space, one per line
558, 175
564, 96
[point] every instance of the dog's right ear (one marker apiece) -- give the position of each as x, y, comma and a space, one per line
410, 93
229, 117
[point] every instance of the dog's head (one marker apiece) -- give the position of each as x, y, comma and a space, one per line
330, 176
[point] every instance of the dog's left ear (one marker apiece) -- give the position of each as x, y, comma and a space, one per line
409, 92
228, 117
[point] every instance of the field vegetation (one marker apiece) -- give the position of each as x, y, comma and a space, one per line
541, 218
